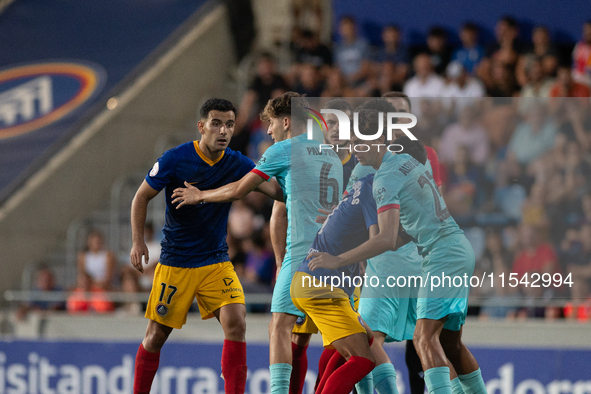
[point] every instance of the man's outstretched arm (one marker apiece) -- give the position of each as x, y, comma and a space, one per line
190, 195
383, 241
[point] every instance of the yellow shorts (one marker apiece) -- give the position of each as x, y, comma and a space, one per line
330, 311
356, 295
174, 290
305, 325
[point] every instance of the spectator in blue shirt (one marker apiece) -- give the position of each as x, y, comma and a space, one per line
351, 54
470, 53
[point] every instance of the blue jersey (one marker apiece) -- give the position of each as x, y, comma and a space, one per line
345, 229
404, 183
310, 179
349, 163
195, 235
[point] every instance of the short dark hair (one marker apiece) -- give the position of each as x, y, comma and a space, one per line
391, 26
379, 104
400, 95
470, 26
368, 119
412, 147
340, 104
509, 20
348, 18
283, 106
216, 104
437, 31
307, 33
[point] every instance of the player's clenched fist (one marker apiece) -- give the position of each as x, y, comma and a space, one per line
188, 195
137, 251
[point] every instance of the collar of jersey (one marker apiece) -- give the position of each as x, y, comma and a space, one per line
346, 159
205, 158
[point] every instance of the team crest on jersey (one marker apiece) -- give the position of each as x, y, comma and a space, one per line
155, 169
161, 309
300, 320
228, 281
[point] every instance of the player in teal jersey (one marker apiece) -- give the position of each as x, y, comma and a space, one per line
405, 193
311, 179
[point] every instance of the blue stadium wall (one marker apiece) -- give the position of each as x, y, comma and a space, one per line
107, 367
88, 51
564, 18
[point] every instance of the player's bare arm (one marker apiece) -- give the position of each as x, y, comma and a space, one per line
384, 240
278, 227
139, 207
190, 195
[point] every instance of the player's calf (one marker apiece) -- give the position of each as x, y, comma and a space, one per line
148, 356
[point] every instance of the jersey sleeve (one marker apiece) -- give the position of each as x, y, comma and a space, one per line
162, 172
386, 190
246, 165
274, 161
434, 160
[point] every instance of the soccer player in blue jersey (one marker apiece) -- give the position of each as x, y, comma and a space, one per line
194, 261
348, 226
311, 179
405, 192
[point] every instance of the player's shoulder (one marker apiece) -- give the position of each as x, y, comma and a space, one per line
182, 150
234, 155
279, 148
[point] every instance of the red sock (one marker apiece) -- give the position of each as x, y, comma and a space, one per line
299, 361
234, 366
343, 379
146, 365
335, 362
324, 359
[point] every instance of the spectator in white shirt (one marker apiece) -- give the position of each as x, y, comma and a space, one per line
425, 83
461, 87
467, 132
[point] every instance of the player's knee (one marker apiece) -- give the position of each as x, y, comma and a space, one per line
154, 340
421, 341
235, 328
280, 326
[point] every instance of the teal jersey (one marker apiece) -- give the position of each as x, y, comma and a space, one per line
358, 172
403, 183
311, 179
